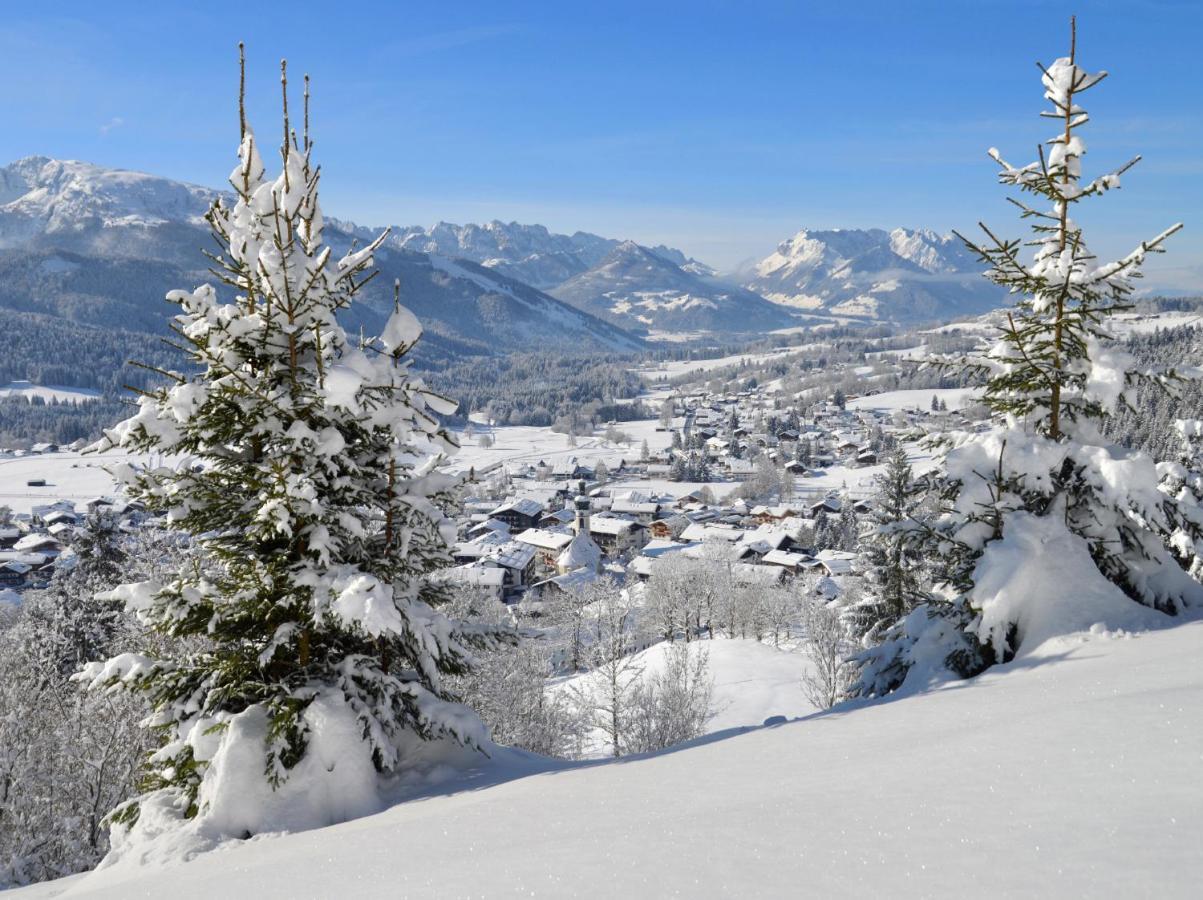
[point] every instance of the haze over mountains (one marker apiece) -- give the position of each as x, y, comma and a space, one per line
101, 246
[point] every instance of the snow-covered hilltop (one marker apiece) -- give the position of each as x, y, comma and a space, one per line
637, 287
42, 195
901, 275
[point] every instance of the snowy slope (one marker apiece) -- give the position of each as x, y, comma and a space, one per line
1072, 774
902, 275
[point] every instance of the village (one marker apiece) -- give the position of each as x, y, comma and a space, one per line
773, 486
775, 491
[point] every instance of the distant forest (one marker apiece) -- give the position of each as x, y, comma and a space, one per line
520, 389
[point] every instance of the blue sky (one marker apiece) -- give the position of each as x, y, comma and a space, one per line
718, 127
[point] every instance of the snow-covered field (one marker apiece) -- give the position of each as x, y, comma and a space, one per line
48, 392
676, 368
523, 445
69, 476
1070, 773
1125, 324
916, 399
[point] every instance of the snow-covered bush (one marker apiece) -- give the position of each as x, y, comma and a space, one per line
66, 756
672, 704
605, 697
828, 647
307, 470
1046, 528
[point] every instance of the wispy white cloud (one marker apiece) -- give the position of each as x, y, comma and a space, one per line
112, 124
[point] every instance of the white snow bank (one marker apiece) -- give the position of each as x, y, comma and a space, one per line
1041, 578
1070, 776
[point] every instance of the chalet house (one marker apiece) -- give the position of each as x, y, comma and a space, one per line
640, 510
12, 573
60, 517
794, 562
616, 536
669, 528
488, 580
836, 562
557, 518
829, 505
9, 535
39, 543
700, 532
769, 514
519, 513
547, 545
847, 448
40, 515
517, 560
566, 468
866, 458
739, 469
753, 575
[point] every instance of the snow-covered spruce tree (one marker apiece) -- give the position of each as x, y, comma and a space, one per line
1182, 481
307, 473
1046, 528
889, 550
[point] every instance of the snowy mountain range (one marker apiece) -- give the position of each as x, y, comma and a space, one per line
529, 253
102, 246
902, 275
637, 287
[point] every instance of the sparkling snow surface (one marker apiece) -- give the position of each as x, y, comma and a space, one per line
1069, 774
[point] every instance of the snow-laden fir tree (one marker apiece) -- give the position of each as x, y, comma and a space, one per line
307, 470
889, 549
1046, 528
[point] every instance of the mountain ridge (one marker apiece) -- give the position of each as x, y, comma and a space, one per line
903, 275
634, 286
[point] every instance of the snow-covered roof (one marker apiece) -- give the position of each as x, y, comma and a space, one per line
481, 576
545, 539
525, 506
699, 532
612, 525
513, 555
786, 558
637, 508
747, 573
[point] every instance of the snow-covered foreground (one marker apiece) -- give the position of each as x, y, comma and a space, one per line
1072, 773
